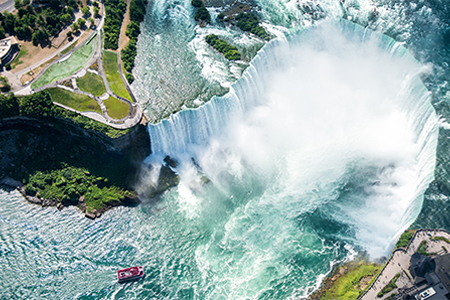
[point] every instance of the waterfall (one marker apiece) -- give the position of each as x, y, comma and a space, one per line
326, 144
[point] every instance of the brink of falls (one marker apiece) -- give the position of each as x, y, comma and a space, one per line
323, 147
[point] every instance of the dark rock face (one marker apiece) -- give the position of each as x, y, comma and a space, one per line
170, 162
28, 145
167, 179
90, 215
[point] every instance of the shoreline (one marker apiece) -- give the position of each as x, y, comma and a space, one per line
359, 281
74, 166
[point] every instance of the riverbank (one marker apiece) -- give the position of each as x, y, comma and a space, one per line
348, 281
54, 162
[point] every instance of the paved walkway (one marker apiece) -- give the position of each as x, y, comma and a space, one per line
135, 113
399, 262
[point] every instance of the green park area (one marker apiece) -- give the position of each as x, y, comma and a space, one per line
17, 61
91, 83
67, 185
76, 101
116, 109
351, 281
67, 67
111, 69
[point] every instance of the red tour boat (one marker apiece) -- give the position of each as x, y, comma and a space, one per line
130, 274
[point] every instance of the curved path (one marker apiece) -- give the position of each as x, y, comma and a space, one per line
135, 113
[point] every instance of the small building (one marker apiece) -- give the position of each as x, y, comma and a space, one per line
431, 277
7, 47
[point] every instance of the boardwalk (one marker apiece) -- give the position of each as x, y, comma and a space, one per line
399, 263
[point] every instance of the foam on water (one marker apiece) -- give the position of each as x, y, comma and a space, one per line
329, 138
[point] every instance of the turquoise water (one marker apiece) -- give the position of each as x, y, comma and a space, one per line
295, 188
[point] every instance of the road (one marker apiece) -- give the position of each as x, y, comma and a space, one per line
8, 5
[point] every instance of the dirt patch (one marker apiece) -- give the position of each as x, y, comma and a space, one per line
61, 38
123, 37
83, 37
33, 54
365, 281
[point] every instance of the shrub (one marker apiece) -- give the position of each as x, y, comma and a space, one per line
222, 46
249, 22
422, 248
233, 55
129, 77
202, 14
197, 3
404, 239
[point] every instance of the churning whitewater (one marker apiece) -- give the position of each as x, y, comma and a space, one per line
324, 146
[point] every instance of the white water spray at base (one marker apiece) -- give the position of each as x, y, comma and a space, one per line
328, 138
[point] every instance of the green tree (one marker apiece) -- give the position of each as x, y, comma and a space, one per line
129, 77
202, 14
9, 106
10, 22
39, 104
91, 22
133, 30
233, 55
75, 26
39, 36
18, 4
81, 22
197, 3
2, 33
96, 12
86, 11
65, 18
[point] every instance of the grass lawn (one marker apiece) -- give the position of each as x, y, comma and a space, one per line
17, 61
76, 101
347, 286
91, 83
68, 49
116, 109
66, 68
111, 68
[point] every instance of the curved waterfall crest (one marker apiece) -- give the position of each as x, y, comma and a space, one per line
331, 125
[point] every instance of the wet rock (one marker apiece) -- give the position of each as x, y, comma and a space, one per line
170, 162
34, 200
89, 215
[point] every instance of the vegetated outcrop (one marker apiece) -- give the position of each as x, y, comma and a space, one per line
230, 52
201, 15
58, 162
244, 18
